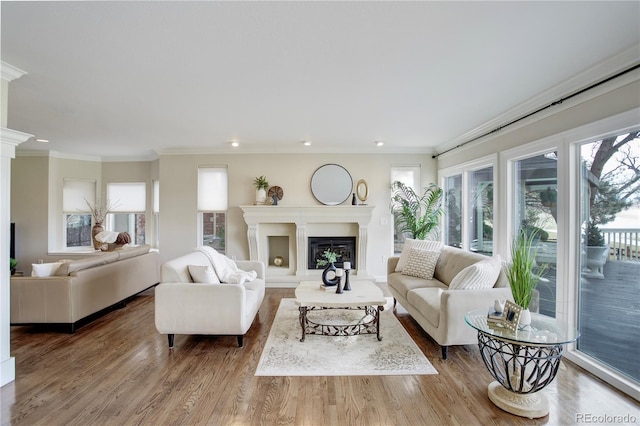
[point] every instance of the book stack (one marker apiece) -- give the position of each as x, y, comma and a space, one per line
494, 317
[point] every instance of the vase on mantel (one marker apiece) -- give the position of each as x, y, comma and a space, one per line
525, 318
261, 196
97, 228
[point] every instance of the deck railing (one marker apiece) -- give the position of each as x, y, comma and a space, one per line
624, 243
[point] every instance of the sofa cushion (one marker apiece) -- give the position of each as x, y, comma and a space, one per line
480, 275
203, 274
89, 262
452, 260
405, 283
45, 269
427, 302
421, 263
420, 244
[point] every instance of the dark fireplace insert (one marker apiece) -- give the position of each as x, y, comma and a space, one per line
344, 246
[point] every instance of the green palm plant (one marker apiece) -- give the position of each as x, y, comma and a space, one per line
519, 271
416, 215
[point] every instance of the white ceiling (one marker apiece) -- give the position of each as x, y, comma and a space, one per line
131, 79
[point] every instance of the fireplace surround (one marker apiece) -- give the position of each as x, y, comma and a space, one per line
291, 228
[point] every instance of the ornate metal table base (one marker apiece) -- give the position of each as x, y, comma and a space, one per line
521, 371
370, 325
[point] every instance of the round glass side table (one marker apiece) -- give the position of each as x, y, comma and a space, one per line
523, 361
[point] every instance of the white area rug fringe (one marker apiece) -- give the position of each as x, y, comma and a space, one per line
363, 355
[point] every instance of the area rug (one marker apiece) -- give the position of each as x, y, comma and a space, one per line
363, 355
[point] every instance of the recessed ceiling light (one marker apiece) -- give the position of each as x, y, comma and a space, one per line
306, 143
235, 144
379, 143
42, 140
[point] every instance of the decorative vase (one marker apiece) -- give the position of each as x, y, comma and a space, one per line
330, 282
97, 228
525, 318
261, 196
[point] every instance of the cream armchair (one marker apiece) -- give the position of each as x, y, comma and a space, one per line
185, 307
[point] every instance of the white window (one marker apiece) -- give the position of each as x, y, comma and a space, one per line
129, 201
410, 176
212, 206
156, 211
76, 194
469, 205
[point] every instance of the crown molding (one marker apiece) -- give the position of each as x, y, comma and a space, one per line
245, 150
13, 137
624, 60
9, 139
9, 72
56, 154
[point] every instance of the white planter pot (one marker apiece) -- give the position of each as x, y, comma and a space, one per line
261, 196
525, 318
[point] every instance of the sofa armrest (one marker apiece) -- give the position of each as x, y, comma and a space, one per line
392, 262
252, 265
455, 304
199, 308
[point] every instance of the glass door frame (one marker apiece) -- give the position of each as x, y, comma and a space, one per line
567, 145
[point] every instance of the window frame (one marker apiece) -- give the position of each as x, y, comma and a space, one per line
465, 170
566, 144
84, 212
202, 211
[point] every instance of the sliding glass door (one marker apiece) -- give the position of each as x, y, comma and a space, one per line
609, 226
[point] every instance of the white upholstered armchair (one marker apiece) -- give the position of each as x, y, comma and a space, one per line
185, 307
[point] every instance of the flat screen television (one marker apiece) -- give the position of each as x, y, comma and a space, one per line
12, 247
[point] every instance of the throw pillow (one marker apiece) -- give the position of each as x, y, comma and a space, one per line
483, 274
203, 274
421, 263
420, 244
44, 269
106, 237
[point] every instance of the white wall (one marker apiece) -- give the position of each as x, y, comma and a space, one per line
292, 172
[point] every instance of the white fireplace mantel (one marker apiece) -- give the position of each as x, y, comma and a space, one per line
257, 217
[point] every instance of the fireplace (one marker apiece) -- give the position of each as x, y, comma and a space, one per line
285, 231
344, 246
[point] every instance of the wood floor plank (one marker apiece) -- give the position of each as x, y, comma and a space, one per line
119, 370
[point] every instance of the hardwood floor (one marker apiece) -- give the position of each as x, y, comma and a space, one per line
118, 370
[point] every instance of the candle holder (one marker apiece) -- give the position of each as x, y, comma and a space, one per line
339, 274
347, 285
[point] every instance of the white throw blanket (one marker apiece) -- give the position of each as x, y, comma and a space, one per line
226, 269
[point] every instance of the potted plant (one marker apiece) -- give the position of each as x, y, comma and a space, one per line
519, 271
13, 263
416, 215
597, 250
329, 260
261, 185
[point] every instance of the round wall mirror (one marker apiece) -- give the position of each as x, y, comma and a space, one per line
331, 184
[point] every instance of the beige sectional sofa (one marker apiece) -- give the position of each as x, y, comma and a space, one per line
438, 309
80, 288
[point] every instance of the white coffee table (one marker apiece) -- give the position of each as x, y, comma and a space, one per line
364, 295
